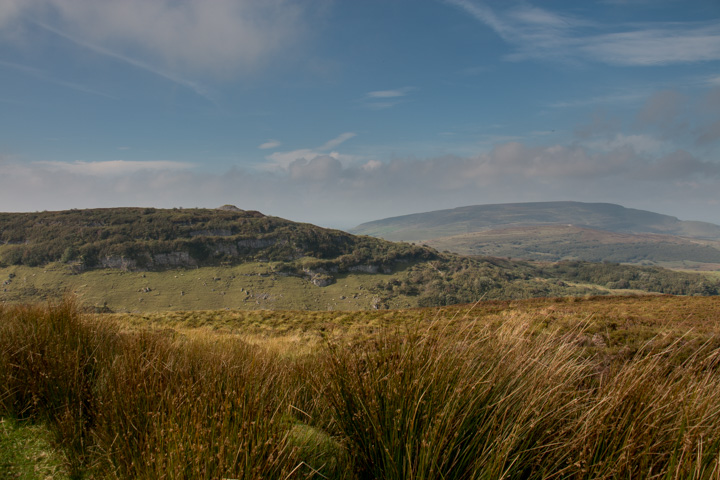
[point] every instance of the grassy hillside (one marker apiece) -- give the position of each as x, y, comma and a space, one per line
156, 239
568, 388
563, 242
267, 286
146, 260
463, 220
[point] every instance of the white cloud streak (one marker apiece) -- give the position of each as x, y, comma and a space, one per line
381, 99
220, 38
541, 34
46, 77
270, 144
174, 78
400, 92
283, 160
113, 167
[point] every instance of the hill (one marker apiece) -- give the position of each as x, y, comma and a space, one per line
156, 239
602, 216
553, 231
565, 242
151, 259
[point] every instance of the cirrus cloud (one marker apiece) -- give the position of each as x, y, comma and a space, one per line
221, 37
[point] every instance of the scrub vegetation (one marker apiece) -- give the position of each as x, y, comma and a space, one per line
144, 260
616, 387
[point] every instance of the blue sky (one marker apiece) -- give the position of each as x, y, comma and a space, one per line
339, 112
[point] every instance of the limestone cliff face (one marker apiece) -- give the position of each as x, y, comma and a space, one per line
259, 242
364, 268
140, 239
174, 259
118, 263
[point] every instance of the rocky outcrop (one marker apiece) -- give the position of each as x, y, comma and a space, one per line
364, 268
227, 249
322, 280
319, 277
174, 259
119, 263
229, 208
257, 242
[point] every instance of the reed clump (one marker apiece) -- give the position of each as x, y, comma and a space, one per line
424, 400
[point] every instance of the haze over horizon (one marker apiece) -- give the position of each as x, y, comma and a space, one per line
340, 112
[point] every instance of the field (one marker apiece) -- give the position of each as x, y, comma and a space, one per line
564, 242
247, 286
612, 387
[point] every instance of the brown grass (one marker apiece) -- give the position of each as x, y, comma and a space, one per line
596, 388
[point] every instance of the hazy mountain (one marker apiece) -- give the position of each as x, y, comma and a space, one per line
602, 216
553, 231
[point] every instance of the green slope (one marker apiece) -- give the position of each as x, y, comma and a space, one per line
152, 260
563, 242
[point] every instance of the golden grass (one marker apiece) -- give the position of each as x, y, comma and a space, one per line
553, 388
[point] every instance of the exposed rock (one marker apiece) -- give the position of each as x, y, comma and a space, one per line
322, 280
256, 242
119, 263
228, 249
364, 268
229, 208
174, 259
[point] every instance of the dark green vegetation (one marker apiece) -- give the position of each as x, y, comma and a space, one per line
449, 279
148, 260
553, 231
155, 239
567, 388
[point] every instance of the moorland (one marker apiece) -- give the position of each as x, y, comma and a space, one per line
578, 388
133, 259
148, 343
554, 231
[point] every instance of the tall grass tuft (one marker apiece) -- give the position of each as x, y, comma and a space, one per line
149, 404
432, 404
446, 399
194, 409
648, 420
50, 359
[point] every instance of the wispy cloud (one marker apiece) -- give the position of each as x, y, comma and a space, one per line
172, 77
400, 92
657, 45
269, 145
600, 100
380, 99
114, 167
713, 81
283, 160
46, 77
542, 34
221, 38
330, 144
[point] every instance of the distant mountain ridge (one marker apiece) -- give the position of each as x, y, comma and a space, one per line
602, 216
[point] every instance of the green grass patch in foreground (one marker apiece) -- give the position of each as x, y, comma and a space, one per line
514, 390
26, 452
